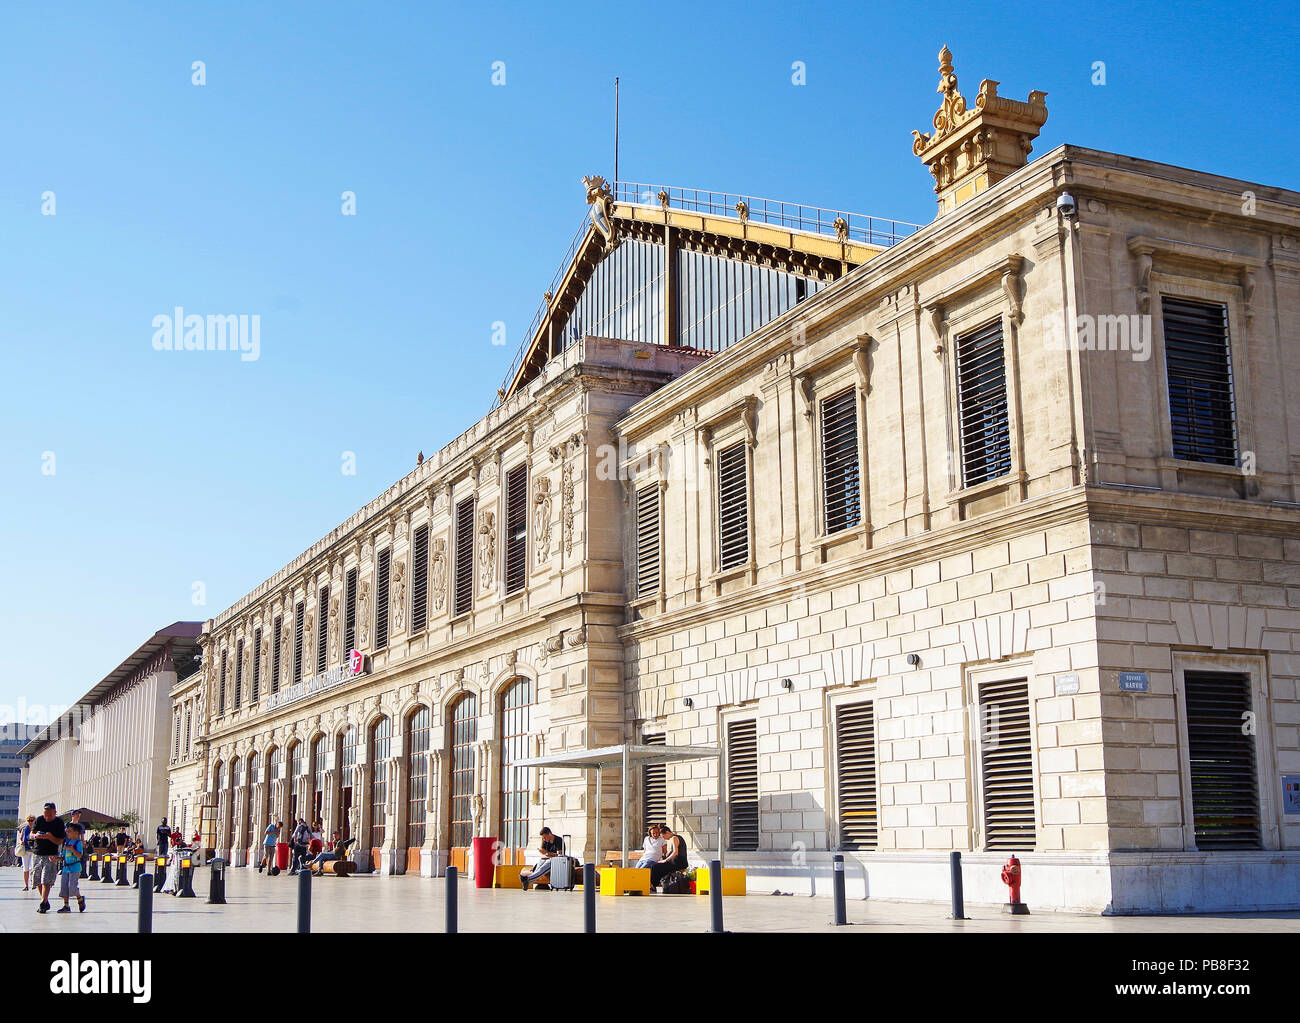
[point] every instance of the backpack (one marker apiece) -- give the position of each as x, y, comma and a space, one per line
676, 883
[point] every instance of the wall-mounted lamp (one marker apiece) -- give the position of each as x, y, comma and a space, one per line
688, 702
913, 659
787, 683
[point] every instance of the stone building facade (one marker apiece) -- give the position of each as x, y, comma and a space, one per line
986, 538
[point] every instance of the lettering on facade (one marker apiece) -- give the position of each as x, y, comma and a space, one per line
353, 668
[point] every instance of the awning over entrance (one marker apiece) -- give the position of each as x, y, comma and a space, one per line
625, 757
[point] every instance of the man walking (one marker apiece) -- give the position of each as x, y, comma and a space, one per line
47, 835
164, 836
25, 851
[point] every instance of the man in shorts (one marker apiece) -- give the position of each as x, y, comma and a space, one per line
48, 833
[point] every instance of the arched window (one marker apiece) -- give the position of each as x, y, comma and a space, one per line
236, 802
254, 776
347, 757
297, 767
463, 735
381, 747
516, 722
417, 770
318, 779
274, 805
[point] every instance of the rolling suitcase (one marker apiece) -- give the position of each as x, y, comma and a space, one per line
564, 870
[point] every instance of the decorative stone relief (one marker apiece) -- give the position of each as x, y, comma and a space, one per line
399, 596
438, 577
286, 649
363, 612
487, 549
334, 625
542, 519
308, 635
566, 508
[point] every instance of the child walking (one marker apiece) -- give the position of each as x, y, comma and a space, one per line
73, 851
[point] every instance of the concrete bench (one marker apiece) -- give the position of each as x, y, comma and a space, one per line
624, 881
338, 868
733, 881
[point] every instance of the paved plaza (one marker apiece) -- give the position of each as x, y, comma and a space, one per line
257, 903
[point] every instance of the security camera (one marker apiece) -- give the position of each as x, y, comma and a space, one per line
1065, 205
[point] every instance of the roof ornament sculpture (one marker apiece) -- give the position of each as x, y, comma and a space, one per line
601, 202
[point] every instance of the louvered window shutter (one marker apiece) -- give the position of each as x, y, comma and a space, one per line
322, 628
647, 541
516, 528
257, 666
742, 785
840, 474
384, 563
1225, 785
464, 593
350, 613
1201, 410
1006, 759
276, 652
221, 692
733, 507
298, 612
239, 674
420, 580
982, 404
855, 755
654, 788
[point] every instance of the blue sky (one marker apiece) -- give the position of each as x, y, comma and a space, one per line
176, 468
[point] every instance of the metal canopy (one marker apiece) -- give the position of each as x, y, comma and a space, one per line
625, 756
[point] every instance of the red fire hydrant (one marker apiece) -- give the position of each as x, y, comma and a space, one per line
1011, 878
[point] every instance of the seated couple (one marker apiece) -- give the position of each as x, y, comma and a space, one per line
663, 852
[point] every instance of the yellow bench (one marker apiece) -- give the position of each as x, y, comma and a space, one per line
733, 880
508, 876
624, 881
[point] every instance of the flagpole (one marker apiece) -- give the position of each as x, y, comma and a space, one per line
615, 136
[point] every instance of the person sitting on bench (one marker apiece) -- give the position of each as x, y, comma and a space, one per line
552, 846
653, 849
674, 857
338, 851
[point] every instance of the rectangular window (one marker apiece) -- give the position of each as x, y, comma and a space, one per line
221, 691
239, 674
322, 628
1202, 415
350, 613
742, 785
1225, 782
257, 665
276, 652
855, 762
654, 788
647, 541
733, 507
298, 613
463, 597
982, 405
176, 737
420, 580
841, 491
381, 598
1006, 766
516, 528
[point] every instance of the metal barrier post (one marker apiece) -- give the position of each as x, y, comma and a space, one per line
92, 872
217, 882
589, 898
107, 875
304, 902
160, 874
715, 897
958, 896
451, 927
185, 879
144, 918
837, 887
121, 872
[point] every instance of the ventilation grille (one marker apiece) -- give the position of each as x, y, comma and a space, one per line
982, 405
654, 787
1201, 415
463, 597
855, 737
1007, 763
733, 506
647, 541
384, 562
420, 580
516, 528
840, 487
742, 785
1225, 786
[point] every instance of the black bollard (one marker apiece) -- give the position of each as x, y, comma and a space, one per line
144, 924
185, 879
451, 927
217, 882
107, 875
837, 889
122, 882
715, 897
160, 873
958, 896
137, 869
589, 898
92, 872
304, 902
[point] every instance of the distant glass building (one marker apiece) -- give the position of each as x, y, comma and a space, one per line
13, 737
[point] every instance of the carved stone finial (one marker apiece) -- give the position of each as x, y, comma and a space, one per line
663, 197
970, 150
841, 229
742, 211
419, 458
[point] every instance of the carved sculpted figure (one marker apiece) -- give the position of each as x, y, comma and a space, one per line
487, 549
438, 580
542, 519
363, 612
399, 596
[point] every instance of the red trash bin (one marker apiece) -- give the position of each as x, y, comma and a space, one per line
484, 861
282, 855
